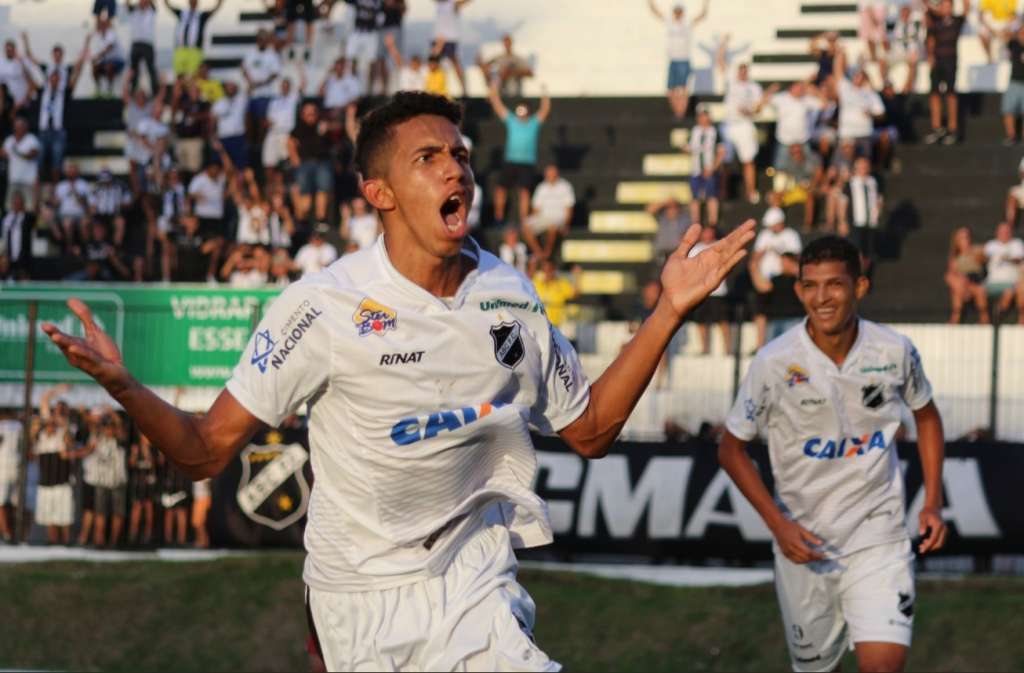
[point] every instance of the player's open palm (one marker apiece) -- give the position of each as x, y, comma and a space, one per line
686, 281
797, 543
96, 354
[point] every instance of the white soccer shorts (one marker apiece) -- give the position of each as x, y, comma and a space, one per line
275, 149
743, 136
867, 596
475, 617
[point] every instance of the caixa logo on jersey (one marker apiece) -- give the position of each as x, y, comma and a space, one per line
847, 447
416, 428
273, 490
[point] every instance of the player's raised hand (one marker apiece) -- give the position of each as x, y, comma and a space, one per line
933, 530
797, 543
687, 281
96, 354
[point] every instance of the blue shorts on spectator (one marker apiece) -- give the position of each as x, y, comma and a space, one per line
704, 187
314, 176
1013, 99
678, 74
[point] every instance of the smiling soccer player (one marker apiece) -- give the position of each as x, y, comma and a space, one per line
828, 396
424, 362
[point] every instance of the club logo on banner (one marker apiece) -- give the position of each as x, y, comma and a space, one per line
273, 490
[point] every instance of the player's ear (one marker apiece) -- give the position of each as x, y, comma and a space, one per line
861, 287
378, 194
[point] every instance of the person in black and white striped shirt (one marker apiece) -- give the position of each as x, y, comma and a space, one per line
706, 157
863, 208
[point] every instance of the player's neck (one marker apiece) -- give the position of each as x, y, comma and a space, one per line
440, 276
836, 347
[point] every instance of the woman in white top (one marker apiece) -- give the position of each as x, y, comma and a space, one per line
680, 34
54, 502
108, 61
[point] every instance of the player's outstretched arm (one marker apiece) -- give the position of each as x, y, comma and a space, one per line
931, 446
685, 281
199, 446
794, 540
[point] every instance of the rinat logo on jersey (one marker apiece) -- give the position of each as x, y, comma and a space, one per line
416, 428
847, 447
795, 374
262, 347
373, 318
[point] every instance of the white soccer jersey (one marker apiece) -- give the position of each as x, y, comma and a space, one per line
10, 451
419, 411
830, 431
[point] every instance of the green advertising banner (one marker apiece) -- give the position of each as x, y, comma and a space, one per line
170, 335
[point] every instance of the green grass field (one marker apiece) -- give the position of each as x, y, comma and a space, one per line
247, 614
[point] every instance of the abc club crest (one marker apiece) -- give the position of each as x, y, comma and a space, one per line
273, 490
508, 343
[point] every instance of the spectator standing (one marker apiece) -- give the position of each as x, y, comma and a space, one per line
508, 69
872, 27
189, 35
551, 212
435, 80
229, 118
71, 199
308, 149
296, 11
108, 197
317, 254
16, 230
104, 9
174, 490
142, 489
706, 158
280, 122
794, 110
108, 59
363, 46
672, 223
412, 76
522, 135
715, 309
907, 42
142, 19
14, 74
743, 102
193, 256
103, 458
859, 104
995, 19
360, 226
190, 117
865, 202
513, 251
21, 149
10, 460
201, 500
1004, 255
55, 507
392, 16
943, 36
1013, 97
965, 276
206, 195
777, 298
447, 33
555, 291
339, 89
51, 105
261, 67
824, 48
775, 240
680, 39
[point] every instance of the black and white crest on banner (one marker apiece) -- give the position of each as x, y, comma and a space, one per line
508, 343
273, 490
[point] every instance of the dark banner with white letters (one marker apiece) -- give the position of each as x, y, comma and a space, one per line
667, 502
674, 502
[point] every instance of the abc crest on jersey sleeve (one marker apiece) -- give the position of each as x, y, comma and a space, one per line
286, 360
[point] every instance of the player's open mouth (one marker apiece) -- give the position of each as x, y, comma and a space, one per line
453, 214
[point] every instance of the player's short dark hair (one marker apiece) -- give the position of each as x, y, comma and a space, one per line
376, 128
832, 249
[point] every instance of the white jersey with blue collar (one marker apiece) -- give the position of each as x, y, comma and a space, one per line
420, 411
831, 431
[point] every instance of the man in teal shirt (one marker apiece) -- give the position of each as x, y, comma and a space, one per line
522, 133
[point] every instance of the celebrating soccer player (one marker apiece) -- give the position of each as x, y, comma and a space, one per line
423, 363
828, 396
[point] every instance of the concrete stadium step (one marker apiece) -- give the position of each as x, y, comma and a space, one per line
607, 282
622, 222
92, 165
667, 164
583, 251
842, 6
652, 192
109, 140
